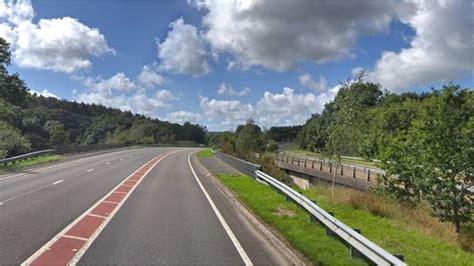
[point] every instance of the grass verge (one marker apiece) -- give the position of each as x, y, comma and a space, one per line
290, 221
30, 162
205, 153
410, 231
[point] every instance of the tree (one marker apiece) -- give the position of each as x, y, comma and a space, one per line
58, 137
12, 88
12, 143
249, 140
434, 158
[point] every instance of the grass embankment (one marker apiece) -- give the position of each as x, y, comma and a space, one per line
205, 153
363, 163
411, 232
30, 162
291, 221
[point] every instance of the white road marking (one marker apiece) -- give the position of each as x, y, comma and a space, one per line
57, 182
229, 232
57, 165
90, 170
91, 239
107, 163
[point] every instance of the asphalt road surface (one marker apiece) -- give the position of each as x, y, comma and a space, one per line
141, 206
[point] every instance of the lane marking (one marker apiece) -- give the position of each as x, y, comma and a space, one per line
75, 237
221, 219
54, 249
107, 163
96, 215
58, 182
90, 170
61, 164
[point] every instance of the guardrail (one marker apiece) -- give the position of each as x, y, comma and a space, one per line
239, 164
359, 245
25, 156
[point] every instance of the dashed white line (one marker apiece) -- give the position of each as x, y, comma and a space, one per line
107, 163
57, 182
221, 219
90, 170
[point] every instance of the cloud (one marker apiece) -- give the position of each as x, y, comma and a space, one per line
183, 51
58, 44
122, 93
307, 81
149, 78
226, 89
285, 108
290, 108
442, 49
278, 34
226, 112
181, 117
44, 93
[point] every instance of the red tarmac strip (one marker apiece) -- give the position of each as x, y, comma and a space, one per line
69, 245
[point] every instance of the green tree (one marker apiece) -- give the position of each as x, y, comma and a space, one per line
249, 140
12, 143
58, 137
434, 158
12, 88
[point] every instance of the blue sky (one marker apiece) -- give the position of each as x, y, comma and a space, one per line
219, 63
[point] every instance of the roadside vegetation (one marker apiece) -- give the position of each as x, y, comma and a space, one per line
205, 153
292, 222
409, 231
19, 165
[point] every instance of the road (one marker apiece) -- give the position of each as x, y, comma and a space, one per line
143, 206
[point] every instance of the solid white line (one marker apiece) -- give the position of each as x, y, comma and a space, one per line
91, 239
90, 170
75, 237
96, 215
229, 232
57, 182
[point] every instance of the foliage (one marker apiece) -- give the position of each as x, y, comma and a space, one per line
11, 141
433, 159
205, 153
283, 134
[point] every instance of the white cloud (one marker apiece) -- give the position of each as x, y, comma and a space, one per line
149, 78
44, 93
307, 81
58, 44
181, 117
290, 108
226, 112
226, 89
278, 34
122, 93
286, 108
442, 49
183, 51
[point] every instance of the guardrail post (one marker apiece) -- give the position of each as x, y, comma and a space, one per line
353, 172
298, 161
330, 167
312, 165
287, 158
342, 169
368, 174
320, 165
355, 253
400, 257
304, 162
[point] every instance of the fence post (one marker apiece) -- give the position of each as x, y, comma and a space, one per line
330, 167
304, 162
320, 165
353, 172
312, 165
287, 158
368, 174
342, 169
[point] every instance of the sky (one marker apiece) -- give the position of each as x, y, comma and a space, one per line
219, 63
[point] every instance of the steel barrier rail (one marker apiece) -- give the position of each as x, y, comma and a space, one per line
356, 241
25, 156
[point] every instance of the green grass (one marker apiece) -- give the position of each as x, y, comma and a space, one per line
400, 230
30, 162
205, 153
308, 238
363, 163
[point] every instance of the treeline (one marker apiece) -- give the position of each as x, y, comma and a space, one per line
30, 122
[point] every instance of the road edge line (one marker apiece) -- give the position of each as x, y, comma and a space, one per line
221, 219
